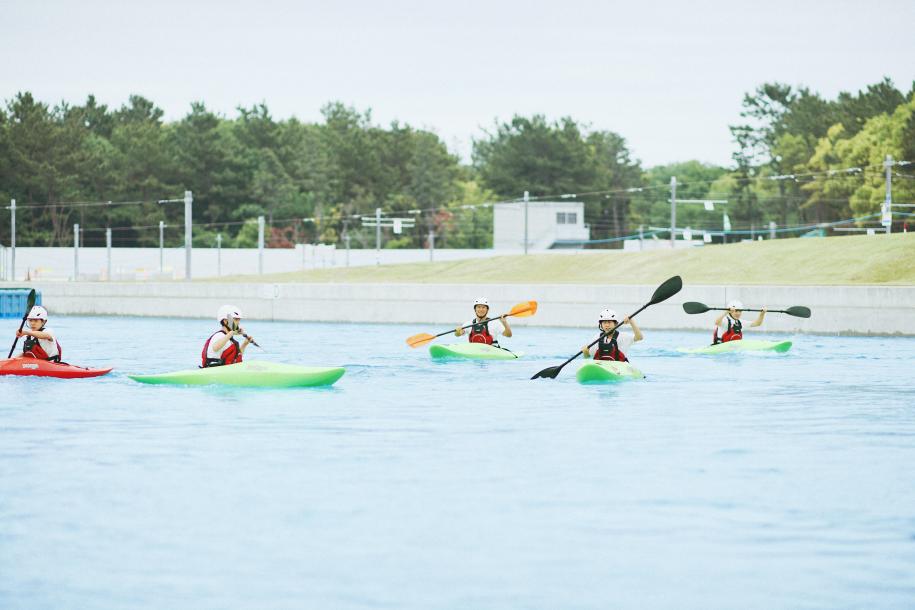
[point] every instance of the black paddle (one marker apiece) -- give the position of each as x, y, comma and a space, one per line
798, 311
30, 303
666, 290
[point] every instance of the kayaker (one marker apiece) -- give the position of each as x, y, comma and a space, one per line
479, 326
40, 341
733, 331
222, 348
613, 345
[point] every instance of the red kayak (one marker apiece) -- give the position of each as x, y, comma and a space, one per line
33, 367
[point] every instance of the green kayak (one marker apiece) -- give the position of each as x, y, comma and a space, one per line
475, 351
250, 374
607, 371
744, 345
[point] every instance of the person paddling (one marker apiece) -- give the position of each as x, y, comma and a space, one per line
40, 341
613, 345
479, 326
733, 327
222, 347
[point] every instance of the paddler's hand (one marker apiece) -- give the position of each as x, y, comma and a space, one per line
586, 352
22, 333
625, 320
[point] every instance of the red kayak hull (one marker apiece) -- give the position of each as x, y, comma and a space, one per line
32, 367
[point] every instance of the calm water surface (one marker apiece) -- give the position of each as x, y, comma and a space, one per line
738, 481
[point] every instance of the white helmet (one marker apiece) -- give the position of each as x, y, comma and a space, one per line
735, 304
481, 301
38, 313
227, 311
608, 315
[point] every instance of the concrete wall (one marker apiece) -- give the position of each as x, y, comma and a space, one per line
836, 309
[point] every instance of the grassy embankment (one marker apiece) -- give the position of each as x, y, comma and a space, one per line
823, 261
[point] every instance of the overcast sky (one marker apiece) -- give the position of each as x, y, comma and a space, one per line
668, 76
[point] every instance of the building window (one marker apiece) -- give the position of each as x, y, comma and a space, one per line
566, 218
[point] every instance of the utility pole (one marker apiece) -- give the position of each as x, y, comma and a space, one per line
673, 212
12, 240
161, 246
888, 200
218, 254
188, 235
260, 245
108, 250
526, 202
377, 236
431, 244
76, 252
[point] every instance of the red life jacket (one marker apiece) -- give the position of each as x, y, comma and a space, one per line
479, 333
734, 332
608, 349
31, 347
230, 355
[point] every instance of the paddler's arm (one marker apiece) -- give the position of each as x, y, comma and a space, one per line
220, 342
719, 319
506, 329
34, 333
636, 332
759, 320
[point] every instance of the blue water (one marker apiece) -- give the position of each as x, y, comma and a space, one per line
737, 481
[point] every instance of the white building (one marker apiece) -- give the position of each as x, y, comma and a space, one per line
550, 224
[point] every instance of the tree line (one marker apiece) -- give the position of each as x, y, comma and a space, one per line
312, 180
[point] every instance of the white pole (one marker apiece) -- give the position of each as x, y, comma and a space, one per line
771, 229
161, 246
75, 252
260, 245
888, 201
431, 245
108, 250
218, 254
346, 239
377, 236
188, 236
12, 240
673, 212
526, 201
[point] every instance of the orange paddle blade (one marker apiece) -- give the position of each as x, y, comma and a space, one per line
523, 310
420, 339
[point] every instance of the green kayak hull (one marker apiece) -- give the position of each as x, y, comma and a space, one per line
250, 374
607, 371
475, 351
744, 345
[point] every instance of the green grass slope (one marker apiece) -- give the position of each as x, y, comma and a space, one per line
828, 261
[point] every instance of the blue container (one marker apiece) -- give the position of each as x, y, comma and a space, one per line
14, 300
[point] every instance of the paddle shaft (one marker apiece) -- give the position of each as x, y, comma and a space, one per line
30, 302
21, 326
729, 309
486, 321
604, 334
